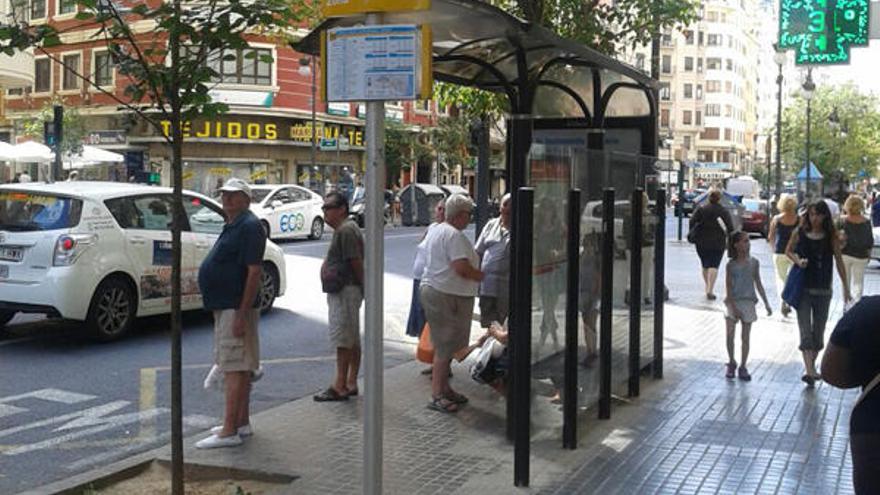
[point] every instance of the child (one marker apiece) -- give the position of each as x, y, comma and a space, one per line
743, 277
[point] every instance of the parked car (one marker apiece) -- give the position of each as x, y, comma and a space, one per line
100, 252
755, 218
736, 209
685, 202
288, 210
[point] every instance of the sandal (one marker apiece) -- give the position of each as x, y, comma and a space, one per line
330, 395
457, 397
430, 371
352, 392
443, 404
809, 380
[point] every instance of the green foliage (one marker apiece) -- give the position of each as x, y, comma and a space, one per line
451, 141
73, 126
831, 150
404, 146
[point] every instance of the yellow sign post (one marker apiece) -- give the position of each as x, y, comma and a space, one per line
342, 8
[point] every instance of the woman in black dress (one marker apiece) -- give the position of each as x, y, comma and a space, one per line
711, 224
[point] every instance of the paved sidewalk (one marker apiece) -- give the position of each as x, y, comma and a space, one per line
692, 432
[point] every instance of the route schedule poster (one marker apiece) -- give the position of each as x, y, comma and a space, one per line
373, 63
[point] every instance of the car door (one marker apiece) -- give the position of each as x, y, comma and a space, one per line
206, 221
146, 224
298, 219
284, 221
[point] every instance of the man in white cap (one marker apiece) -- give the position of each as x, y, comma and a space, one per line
229, 280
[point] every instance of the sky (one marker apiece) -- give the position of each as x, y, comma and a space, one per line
863, 69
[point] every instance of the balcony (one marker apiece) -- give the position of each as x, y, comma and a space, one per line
17, 71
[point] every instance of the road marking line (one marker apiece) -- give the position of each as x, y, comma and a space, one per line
147, 401
50, 394
10, 410
98, 410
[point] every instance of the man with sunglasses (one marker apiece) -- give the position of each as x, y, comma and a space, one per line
342, 278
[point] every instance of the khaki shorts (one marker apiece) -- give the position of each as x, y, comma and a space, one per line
236, 353
449, 316
343, 317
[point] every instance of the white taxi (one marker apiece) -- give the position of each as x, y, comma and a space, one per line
100, 252
288, 210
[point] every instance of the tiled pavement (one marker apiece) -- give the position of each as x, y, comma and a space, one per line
692, 432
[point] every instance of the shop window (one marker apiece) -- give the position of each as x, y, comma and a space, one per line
71, 66
103, 69
42, 75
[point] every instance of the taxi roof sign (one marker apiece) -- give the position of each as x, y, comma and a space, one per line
342, 8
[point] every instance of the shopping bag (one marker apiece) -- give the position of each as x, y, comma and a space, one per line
425, 350
794, 286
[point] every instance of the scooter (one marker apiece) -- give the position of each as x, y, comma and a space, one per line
358, 207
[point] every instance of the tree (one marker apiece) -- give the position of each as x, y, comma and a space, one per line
404, 146
73, 127
170, 68
841, 148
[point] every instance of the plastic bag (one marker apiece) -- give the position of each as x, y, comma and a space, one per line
425, 350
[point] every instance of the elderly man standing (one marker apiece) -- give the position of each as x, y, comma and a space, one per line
449, 284
229, 279
493, 246
342, 278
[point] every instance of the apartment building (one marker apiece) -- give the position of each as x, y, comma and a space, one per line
15, 71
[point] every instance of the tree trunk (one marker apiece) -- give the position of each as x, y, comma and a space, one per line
176, 324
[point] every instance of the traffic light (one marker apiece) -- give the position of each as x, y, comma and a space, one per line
48, 134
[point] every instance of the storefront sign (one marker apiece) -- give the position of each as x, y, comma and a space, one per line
334, 108
296, 130
98, 138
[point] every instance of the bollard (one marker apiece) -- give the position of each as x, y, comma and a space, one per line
570, 384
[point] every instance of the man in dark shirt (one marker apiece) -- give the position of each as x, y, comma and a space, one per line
229, 279
852, 359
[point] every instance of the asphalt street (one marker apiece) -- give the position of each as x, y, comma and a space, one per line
68, 404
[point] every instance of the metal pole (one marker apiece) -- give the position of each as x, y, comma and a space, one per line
807, 190
779, 134
570, 376
521, 315
680, 200
58, 127
607, 303
483, 182
373, 273
635, 291
659, 285
314, 119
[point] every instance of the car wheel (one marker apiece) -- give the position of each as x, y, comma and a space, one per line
112, 310
5, 316
265, 225
268, 287
317, 229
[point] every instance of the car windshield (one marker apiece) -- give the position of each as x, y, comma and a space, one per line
258, 195
752, 205
31, 211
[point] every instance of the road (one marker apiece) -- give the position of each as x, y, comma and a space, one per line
68, 404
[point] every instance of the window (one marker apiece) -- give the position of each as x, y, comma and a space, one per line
69, 80
728, 64
727, 134
283, 195
686, 117
713, 110
700, 64
66, 6
700, 38
640, 61
688, 90
709, 133
699, 91
244, 66
698, 118
664, 91
20, 11
689, 64
728, 111
151, 212
42, 75
15, 92
423, 105
664, 117
713, 86
714, 40
713, 63
103, 69
712, 16
666, 64
689, 37
666, 40
38, 9
728, 87
686, 144
203, 218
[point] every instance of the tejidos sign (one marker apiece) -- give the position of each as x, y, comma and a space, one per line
262, 129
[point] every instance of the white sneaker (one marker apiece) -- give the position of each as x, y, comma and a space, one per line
243, 431
215, 442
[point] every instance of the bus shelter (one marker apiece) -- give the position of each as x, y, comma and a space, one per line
587, 232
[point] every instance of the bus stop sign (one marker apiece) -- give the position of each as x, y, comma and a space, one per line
822, 31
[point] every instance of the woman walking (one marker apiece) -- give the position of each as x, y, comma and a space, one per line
743, 277
857, 240
781, 228
814, 247
710, 224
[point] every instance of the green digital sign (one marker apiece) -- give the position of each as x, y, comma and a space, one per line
822, 31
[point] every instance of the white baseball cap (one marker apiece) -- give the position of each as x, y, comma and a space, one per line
237, 185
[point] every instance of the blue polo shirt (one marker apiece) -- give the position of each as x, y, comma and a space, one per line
224, 271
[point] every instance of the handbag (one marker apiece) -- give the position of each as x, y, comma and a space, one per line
425, 350
794, 286
692, 232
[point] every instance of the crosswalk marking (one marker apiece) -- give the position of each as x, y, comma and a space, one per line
49, 394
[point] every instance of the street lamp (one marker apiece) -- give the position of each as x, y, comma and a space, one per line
809, 88
779, 58
305, 69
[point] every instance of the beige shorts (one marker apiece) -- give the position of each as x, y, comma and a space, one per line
343, 317
450, 319
236, 353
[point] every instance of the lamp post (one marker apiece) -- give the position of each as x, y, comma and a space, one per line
667, 143
305, 69
809, 87
779, 58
